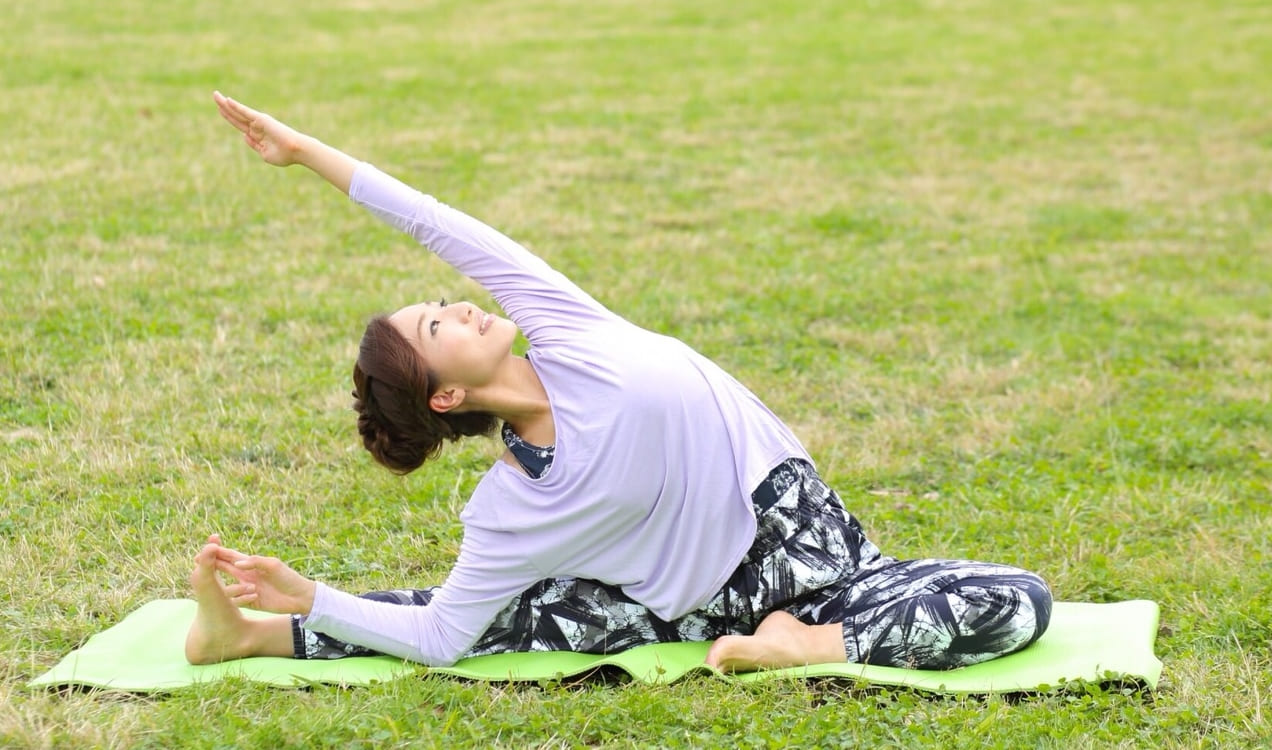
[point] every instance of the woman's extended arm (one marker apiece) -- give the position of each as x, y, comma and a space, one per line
282, 146
542, 302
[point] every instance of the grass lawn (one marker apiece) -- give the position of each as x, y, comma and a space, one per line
1006, 268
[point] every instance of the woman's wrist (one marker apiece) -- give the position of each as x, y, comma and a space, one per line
331, 164
305, 604
304, 150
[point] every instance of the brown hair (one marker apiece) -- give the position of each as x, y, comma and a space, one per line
391, 389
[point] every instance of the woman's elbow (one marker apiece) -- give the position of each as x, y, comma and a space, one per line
444, 654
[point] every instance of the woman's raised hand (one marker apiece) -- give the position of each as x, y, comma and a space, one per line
282, 146
277, 143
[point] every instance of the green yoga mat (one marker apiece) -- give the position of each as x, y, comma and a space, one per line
1093, 642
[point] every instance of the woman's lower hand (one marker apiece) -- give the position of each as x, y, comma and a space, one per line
267, 583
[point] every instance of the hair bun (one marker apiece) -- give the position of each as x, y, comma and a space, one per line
391, 387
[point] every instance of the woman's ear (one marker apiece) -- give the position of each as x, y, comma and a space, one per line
444, 401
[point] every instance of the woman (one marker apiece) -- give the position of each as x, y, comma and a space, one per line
644, 496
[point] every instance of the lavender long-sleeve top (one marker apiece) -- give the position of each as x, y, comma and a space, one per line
657, 453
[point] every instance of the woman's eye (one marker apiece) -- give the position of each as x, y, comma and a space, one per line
432, 328
443, 302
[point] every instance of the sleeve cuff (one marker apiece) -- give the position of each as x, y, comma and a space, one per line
322, 603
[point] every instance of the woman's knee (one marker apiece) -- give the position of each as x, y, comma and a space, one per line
1039, 596
1010, 598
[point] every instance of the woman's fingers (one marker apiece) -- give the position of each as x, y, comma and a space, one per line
231, 116
237, 590
236, 114
267, 570
229, 107
241, 112
254, 567
231, 120
229, 569
229, 555
242, 594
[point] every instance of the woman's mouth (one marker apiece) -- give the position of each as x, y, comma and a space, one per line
486, 320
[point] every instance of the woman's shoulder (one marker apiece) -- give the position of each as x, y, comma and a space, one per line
617, 343
506, 497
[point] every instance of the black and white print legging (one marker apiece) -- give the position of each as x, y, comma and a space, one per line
811, 559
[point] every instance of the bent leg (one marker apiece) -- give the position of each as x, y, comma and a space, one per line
939, 614
919, 614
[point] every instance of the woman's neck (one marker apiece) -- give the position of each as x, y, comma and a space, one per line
517, 396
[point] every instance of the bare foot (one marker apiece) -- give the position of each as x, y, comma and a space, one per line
219, 631
779, 641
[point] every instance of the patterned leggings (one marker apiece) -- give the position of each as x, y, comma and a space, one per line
811, 559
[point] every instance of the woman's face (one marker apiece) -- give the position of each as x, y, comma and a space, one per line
461, 345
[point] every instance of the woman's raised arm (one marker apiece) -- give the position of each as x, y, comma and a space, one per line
282, 146
541, 301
